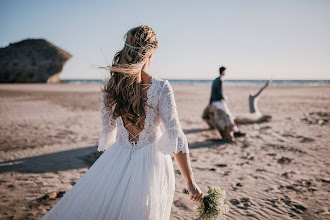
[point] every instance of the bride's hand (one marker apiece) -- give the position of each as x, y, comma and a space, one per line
195, 193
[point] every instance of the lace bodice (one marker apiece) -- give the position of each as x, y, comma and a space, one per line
161, 126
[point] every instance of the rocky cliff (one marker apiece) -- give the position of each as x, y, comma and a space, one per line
32, 61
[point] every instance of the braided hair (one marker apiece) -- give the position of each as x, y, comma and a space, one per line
124, 88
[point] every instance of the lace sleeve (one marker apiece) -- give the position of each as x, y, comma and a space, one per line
173, 139
109, 128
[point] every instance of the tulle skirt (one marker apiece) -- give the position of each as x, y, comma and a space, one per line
122, 184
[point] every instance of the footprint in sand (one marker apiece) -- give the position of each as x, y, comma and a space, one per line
52, 195
247, 157
261, 170
239, 185
306, 139
234, 201
242, 164
288, 174
265, 128
324, 181
243, 203
303, 139
272, 202
246, 203
221, 165
317, 118
294, 206
245, 144
284, 160
269, 189
226, 173
300, 186
283, 148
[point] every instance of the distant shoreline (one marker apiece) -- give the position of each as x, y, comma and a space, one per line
230, 81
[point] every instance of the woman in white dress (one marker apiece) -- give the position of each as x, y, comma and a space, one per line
134, 177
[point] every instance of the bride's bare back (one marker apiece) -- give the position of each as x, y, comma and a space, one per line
133, 130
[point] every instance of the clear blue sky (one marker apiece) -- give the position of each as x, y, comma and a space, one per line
282, 39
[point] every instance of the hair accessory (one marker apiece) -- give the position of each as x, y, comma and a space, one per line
148, 46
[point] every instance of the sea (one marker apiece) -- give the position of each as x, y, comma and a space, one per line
229, 81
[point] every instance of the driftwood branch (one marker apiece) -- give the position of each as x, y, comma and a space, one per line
253, 99
221, 118
255, 115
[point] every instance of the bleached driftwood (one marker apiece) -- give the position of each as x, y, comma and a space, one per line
218, 116
255, 116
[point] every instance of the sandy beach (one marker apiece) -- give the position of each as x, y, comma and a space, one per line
280, 170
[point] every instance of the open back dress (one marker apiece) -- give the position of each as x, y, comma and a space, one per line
131, 179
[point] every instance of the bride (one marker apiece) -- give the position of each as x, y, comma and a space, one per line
134, 177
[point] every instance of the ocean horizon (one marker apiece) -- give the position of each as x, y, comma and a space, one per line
229, 81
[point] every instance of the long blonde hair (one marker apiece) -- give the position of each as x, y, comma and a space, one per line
124, 88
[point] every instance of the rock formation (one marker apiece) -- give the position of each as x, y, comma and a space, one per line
32, 61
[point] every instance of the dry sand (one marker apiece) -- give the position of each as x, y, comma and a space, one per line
280, 170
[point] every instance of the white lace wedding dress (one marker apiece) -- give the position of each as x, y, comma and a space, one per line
130, 180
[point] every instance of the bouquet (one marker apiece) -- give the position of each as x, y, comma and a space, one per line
212, 206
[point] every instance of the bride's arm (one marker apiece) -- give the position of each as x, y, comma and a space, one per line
174, 141
109, 128
183, 160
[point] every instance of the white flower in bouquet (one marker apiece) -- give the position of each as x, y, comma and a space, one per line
213, 206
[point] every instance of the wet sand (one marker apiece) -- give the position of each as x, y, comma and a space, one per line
280, 170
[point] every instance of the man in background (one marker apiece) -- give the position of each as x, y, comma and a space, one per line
216, 94
217, 114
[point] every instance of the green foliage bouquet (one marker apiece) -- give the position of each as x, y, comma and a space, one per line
213, 206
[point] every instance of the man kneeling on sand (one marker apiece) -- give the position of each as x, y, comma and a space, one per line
217, 114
